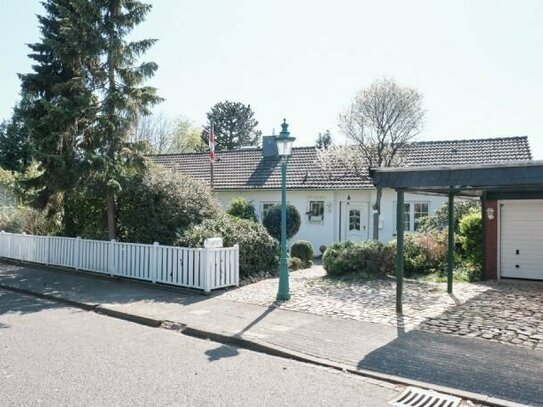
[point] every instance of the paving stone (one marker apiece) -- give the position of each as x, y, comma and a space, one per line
506, 312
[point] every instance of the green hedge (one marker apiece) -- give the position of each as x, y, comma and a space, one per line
258, 251
369, 257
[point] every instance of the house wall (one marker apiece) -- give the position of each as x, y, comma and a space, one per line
328, 230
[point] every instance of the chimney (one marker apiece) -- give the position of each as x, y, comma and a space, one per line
269, 147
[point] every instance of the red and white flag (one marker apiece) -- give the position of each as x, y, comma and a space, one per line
212, 155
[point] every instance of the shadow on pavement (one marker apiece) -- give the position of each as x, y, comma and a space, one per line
471, 364
91, 288
221, 352
15, 303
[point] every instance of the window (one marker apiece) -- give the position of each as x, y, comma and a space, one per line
316, 211
265, 207
354, 220
413, 211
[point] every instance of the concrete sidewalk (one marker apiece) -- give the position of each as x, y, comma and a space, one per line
482, 370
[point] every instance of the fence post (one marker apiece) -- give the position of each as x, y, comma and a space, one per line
77, 252
153, 265
111, 257
236, 264
4, 245
207, 270
21, 248
47, 249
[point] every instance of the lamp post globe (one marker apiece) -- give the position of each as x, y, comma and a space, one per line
284, 149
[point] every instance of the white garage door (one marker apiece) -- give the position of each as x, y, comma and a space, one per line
521, 230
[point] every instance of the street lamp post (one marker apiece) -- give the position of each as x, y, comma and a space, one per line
284, 148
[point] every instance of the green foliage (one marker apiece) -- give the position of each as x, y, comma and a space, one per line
322, 249
83, 97
367, 258
294, 263
28, 220
471, 237
153, 205
186, 138
439, 220
272, 221
15, 144
324, 140
234, 126
240, 208
303, 250
424, 253
258, 251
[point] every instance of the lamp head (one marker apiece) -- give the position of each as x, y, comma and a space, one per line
284, 141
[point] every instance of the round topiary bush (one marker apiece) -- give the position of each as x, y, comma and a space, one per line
240, 208
322, 249
272, 221
258, 251
304, 251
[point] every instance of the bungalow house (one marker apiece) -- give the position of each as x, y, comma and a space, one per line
336, 208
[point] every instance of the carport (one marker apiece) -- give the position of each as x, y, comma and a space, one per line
496, 185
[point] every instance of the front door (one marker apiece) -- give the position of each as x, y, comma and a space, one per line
355, 221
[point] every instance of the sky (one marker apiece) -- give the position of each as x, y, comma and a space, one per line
478, 64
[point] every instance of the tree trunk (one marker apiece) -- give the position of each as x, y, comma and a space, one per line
111, 230
67, 216
377, 213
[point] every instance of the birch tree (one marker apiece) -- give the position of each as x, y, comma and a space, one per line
381, 122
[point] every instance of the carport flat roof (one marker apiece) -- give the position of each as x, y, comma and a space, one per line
471, 180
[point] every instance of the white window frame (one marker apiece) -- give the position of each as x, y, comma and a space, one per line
410, 228
315, 218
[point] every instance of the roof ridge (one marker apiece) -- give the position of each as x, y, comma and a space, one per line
470, 140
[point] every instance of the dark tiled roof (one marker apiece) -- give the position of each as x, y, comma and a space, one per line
247, 169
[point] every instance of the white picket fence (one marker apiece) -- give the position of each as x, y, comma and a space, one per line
206, 269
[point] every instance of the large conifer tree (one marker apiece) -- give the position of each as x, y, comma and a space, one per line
83, 97
123, 95
58, 103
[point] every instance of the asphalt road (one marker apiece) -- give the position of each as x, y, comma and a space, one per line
54, 355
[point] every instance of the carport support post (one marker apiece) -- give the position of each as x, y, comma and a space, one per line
399, 249
450, 245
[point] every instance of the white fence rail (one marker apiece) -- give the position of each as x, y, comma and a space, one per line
206, 269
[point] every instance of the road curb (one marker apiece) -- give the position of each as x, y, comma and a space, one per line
49, 297
265, 348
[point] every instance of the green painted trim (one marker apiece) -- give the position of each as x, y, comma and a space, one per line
450, 244
399, 249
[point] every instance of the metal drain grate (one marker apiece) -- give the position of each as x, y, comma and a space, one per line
415, 397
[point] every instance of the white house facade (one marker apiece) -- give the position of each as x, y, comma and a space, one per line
335, 207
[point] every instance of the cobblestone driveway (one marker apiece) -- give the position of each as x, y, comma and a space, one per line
508, 312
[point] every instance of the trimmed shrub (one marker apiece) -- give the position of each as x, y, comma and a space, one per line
240, 208
258, 251
369, 257
294, 263
471, 237
272, 221
303, 250
322, 249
